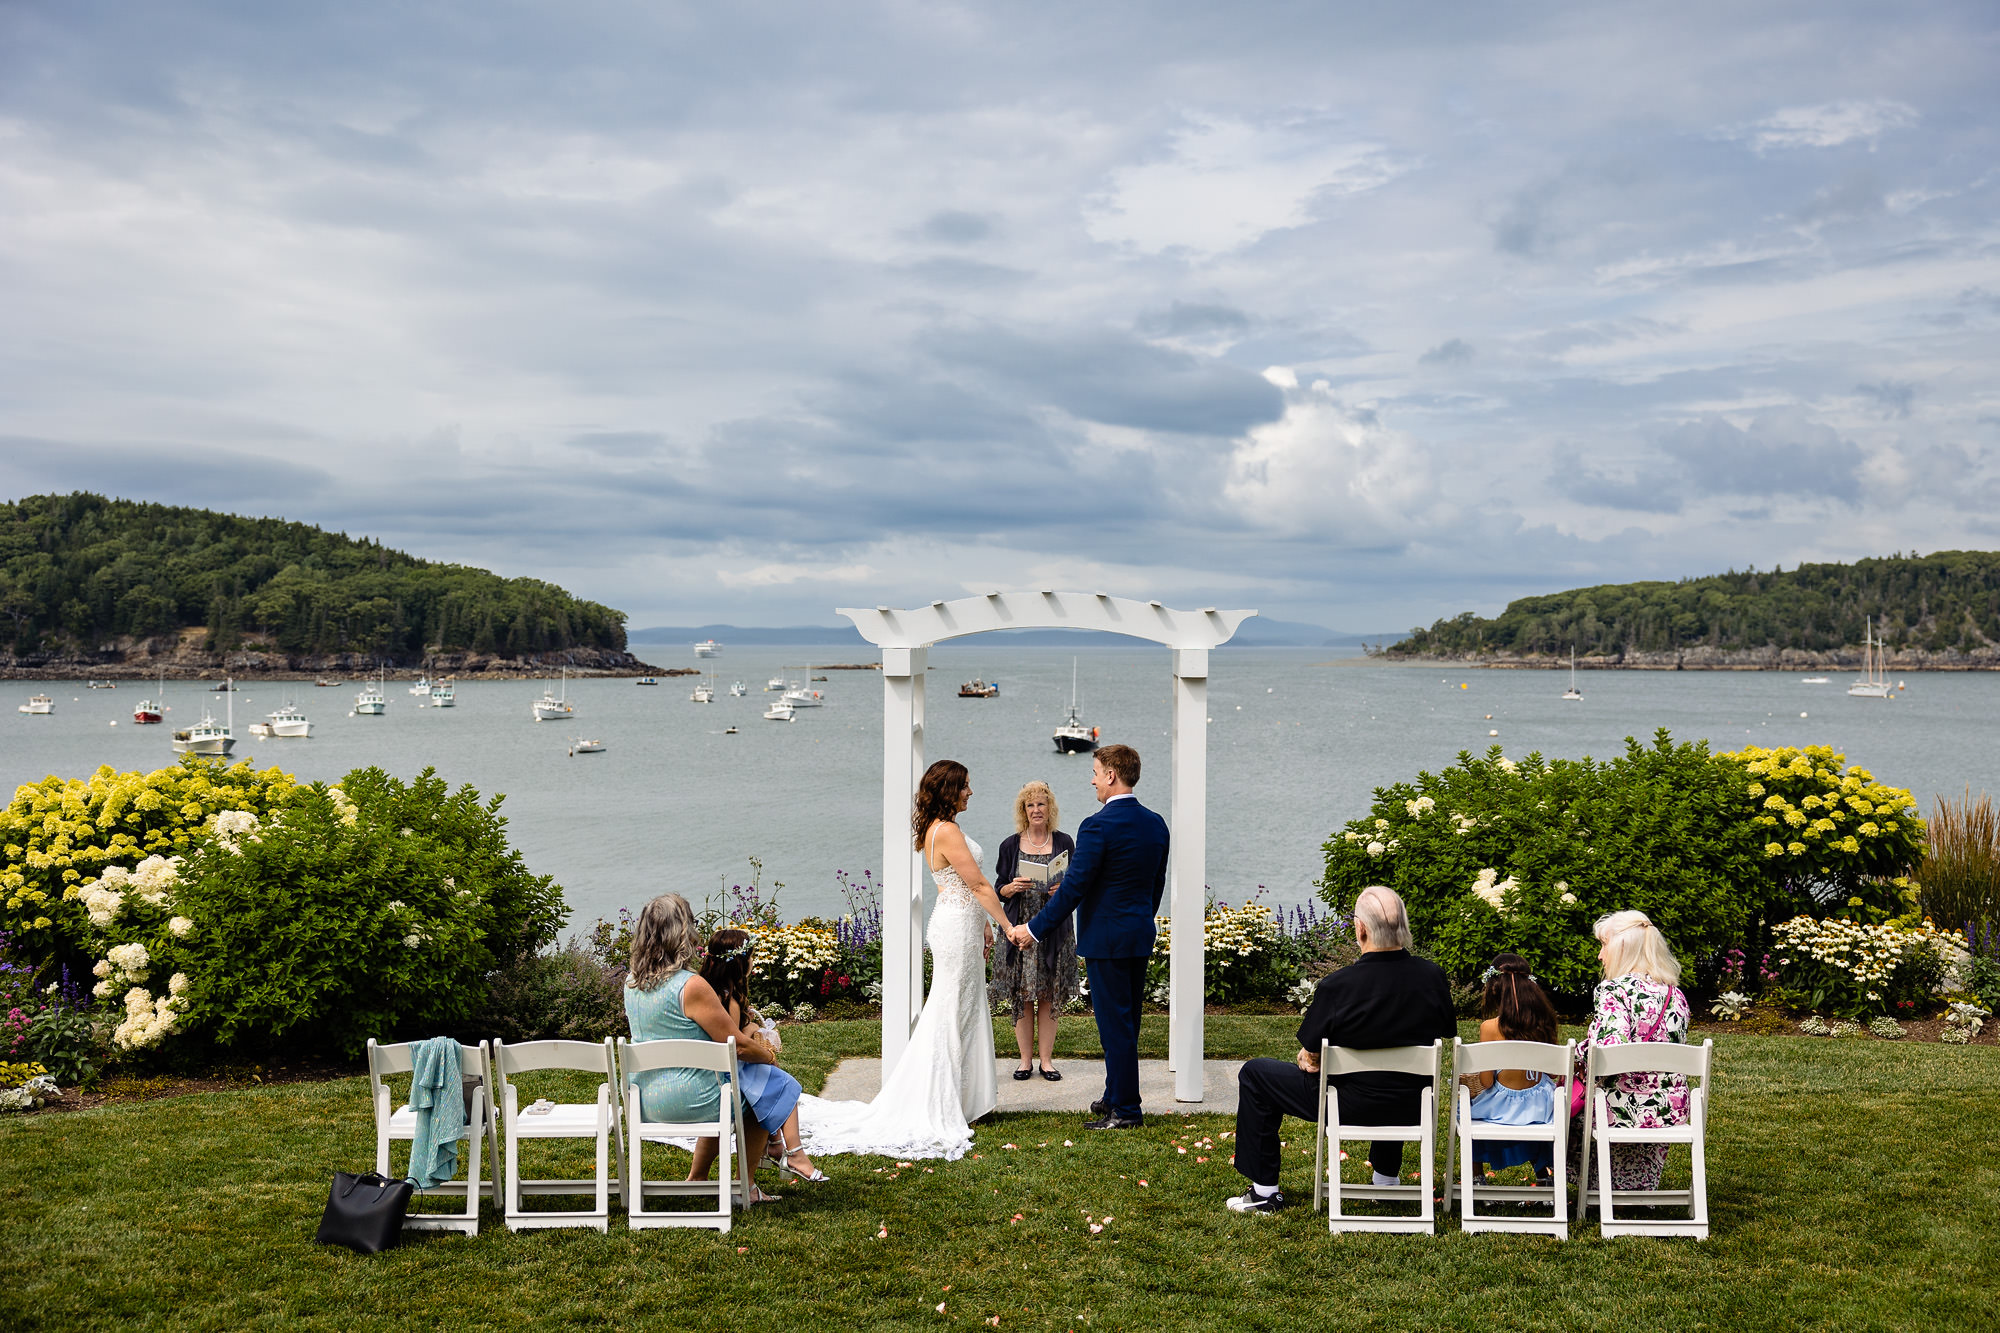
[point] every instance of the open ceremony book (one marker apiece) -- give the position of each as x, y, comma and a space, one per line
1043, 874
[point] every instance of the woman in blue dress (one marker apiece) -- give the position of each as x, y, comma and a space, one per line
666, 999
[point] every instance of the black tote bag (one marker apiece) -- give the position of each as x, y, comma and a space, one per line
365, 1213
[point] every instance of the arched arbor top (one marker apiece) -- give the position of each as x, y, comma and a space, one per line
1044, 608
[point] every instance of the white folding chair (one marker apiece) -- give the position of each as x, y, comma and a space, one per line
1490, 1057
1646, 1057
401, 1124
1427, 1061
596, 1121
732, 1184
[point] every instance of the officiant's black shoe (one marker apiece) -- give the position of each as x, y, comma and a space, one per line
1052, 1075
1023, 1075
1115, 1121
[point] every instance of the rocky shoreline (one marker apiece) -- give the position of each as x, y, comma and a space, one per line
183, 659
1983, 658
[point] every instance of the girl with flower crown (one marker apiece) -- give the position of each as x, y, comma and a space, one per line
667, 999
1515, 1008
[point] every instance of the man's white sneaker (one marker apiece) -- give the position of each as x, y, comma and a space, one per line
1252, 1202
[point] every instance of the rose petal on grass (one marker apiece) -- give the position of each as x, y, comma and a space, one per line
1144, 1186
940, 1307
743, 1249
1095, 1228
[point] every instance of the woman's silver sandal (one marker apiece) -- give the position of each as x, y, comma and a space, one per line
785, 1168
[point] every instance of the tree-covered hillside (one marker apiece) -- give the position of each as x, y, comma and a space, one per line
1949, 600
81, 570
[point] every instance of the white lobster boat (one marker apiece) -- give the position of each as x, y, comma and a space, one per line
552, 705
288, 723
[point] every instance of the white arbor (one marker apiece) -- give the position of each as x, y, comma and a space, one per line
903, 635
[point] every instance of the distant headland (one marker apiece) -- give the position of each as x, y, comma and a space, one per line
1939, 612
119, 589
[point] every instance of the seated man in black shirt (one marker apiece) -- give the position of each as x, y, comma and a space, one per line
1384, 998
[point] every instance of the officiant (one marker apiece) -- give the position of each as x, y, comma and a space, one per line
1040, 980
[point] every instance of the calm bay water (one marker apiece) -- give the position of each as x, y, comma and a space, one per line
1298, 742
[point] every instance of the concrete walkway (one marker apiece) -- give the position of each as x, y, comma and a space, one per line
1082, 1083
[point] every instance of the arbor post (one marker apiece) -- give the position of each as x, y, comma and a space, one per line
1189, 858
902, 875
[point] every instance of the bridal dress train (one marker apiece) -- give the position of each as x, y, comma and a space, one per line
946, 1078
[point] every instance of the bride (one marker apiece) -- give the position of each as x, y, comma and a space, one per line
945, 1079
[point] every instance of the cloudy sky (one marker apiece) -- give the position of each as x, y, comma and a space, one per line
1359, 314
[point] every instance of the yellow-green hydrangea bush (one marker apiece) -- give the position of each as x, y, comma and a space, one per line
1832, 837
60, 837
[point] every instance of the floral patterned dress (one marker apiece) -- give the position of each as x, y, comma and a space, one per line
1046, 969
1629, 1009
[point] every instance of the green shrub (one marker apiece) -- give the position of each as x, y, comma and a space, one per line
373, 908
569, 993
1491, 855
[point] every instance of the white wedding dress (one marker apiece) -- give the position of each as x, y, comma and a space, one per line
946, 1078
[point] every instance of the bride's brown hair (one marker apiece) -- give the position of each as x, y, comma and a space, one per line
937, 798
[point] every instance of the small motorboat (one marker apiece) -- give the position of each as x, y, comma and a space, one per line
226, 687
979, 689
288, 723
775, 685
738, 690
422, 688
205, 737
577, 747
325, 684
646, 680
103, 685
1816, 680
39, 705
729, 731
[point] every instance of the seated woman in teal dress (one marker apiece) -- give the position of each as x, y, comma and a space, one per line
666, 1000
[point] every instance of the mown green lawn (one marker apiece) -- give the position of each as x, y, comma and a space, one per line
1853, 1185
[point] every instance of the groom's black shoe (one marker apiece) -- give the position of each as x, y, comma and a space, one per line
1098, 1110
1112, 1120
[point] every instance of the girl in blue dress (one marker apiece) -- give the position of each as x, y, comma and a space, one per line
1516, 1008
667, 999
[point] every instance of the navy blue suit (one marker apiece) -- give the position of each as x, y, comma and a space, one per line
1114, 882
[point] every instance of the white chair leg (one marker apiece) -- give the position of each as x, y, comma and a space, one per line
1319, 1147
1602, 1114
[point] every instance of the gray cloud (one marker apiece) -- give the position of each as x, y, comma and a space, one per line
1185, 318
1895, 396
1452, 352
639, 294
956, 227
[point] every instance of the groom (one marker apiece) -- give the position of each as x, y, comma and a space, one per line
1116, 876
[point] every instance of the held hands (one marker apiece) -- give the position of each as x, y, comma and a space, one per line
1020, 936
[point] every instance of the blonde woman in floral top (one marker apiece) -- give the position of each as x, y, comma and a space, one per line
1637, 1001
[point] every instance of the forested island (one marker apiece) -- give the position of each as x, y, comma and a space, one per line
96, 586
1931, 612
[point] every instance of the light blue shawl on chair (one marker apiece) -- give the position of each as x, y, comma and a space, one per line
437, 1096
